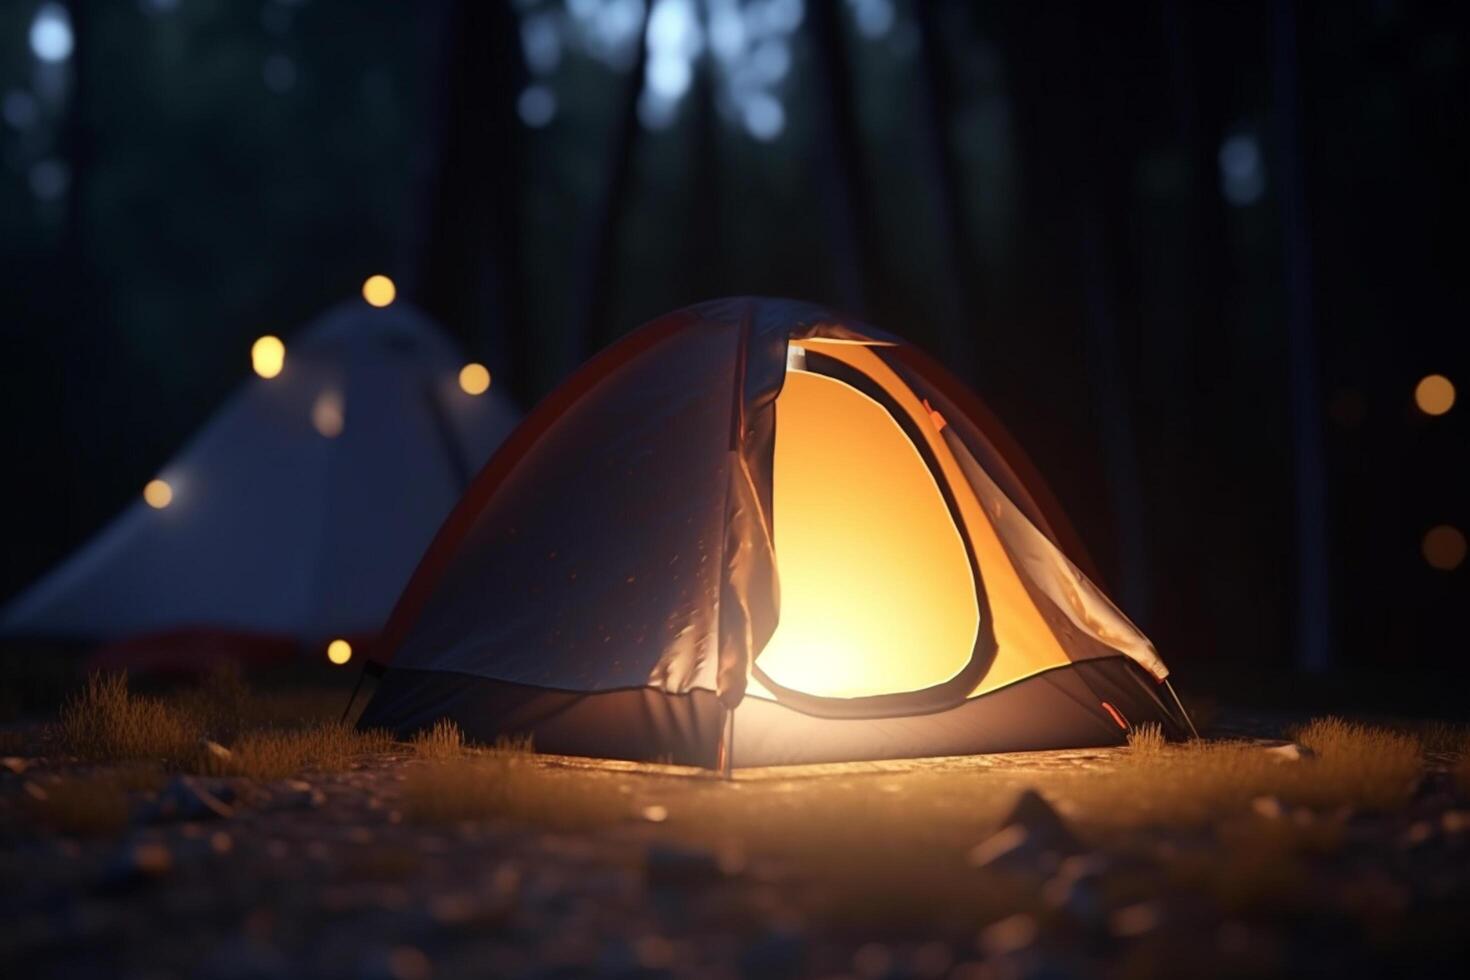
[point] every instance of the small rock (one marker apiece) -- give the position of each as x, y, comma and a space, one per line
1135, 920
1076, 889
300, 795
186, 798
1269, 807
35, 791
1033, 835
999, 844
1010, 935
1455, 821
655, 813
137, 865
215, 750
14, 764
1418, 833
1290, 752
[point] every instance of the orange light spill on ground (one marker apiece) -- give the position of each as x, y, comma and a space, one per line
379, 291
1434, 394
327, 416
339, 652
268, 356
158, 494
876, 590
474, 379
1444, 547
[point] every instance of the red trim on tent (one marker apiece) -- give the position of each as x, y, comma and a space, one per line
1117, 716
436, 559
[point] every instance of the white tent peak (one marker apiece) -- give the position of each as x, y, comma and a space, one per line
279, 525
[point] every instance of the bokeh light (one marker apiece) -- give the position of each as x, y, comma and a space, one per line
474, 379
379, 291
327, 415
339, 652
268, 356
158, 494
1434, 394
1444, 547
51, 34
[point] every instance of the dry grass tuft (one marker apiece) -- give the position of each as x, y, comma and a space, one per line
1357, 765
1147, 739
443, 741
105, 722
279, 753
267, 738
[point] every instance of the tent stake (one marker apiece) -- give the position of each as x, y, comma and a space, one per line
1187, 720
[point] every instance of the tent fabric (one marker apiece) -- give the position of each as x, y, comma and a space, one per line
1056, 709
301, 508
625, 539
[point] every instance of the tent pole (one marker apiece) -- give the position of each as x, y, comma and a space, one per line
727, 745
1187, 720
352, 700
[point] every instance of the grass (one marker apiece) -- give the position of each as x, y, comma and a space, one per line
276, 753
106, 722
443, 741
266, 738
1147, 739
912, 830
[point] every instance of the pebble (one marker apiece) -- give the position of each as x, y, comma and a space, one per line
1135, 920
14, 764
186, 798
1268, 806
655, 813
1290, 752
1010, 935
300, 795
136, 865
1033, 835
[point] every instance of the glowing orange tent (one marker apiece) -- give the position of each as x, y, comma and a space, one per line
754, 533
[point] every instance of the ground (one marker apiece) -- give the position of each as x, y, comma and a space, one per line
1345, 852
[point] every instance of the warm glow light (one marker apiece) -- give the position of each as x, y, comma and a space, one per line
327, 414
268, 356
379, 290
877, 596
339, 652
158, 494
1434, 394
474, 379
1444, 547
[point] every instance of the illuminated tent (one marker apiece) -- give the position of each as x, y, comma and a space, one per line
757, 527
298, 512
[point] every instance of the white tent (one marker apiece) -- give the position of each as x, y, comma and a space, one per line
301, 508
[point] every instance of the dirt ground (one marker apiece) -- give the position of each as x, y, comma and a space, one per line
990, 867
